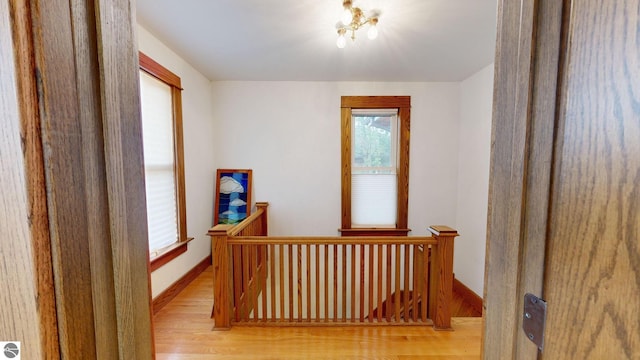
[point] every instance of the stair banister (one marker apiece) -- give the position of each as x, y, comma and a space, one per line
441, 282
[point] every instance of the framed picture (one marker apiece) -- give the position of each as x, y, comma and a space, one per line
233, 196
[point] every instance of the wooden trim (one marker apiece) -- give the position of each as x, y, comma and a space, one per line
441, 282
539, 149
82, 181
222, 284
467, 295
67, 161
345, 121
95, 182
524, 107
117, 57
375, 102
28, 307
403, 104
169, 254
163, 74
158, 71
404, 116
374, 232
77, 162
27, 99
174, 289
332, 240
178, 143
442, 229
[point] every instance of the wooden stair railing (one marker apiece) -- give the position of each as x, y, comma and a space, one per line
264, 280
241, 272
388, 305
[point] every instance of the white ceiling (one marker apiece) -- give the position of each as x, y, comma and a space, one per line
295, 40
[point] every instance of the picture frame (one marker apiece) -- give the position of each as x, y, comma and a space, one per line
233, 196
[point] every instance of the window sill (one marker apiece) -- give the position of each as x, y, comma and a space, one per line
168, 254
374, 232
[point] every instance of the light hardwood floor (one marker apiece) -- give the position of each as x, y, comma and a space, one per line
183, 331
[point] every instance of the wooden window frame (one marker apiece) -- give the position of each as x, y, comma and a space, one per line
403, 104
163, 74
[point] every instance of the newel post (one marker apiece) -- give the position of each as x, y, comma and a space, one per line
441, 281
264, 221
221, 283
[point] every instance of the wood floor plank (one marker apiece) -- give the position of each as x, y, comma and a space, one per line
183, 331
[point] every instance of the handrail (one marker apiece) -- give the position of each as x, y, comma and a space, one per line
332, 240
394, 280
234, 230
261, 209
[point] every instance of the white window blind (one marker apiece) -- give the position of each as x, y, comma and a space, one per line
374, 190
157, 130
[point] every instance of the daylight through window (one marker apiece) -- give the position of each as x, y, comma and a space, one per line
374, 168
375, 164
160, 104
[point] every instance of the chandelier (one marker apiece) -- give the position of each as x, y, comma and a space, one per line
353, 19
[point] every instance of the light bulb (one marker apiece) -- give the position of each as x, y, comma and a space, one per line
373, 32
341, 42
347, 17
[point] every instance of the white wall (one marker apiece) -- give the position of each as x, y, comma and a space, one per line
198, 157
476, 97
289, 134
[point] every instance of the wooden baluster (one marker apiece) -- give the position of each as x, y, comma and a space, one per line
415, 274
253, 251
317, 282
353, 283
299, 273
290, 249
424, 282
441, 281
406, 293
371, 282
272, 276
335, 283
221, 282
236, 268
308, 282
326, 282
263, 280
281, 282
362, 272
244, 312
380, 280
388, 275
344, 283
397, 278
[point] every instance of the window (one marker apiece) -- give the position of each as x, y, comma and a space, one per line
375, 165
160, 101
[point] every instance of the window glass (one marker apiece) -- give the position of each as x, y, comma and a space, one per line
373, 168
159, 165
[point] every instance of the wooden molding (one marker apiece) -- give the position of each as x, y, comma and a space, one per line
375, 102
172, 291
160, 72
403, 104
27, 111
169, 254
467, 295
172, 80
374, 232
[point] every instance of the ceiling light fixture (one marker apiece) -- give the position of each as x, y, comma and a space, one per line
353, 19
